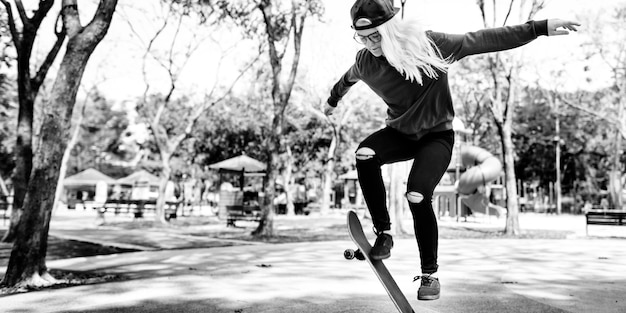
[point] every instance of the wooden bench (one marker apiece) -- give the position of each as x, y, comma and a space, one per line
609, 218
136, 207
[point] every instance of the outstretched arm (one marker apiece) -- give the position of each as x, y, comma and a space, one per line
496, 39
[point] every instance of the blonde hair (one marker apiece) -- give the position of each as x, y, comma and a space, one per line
410, 51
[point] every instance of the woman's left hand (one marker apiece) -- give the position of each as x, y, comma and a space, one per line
554, 24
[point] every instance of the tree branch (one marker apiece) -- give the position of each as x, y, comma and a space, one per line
202, 108
536, 7
40, 13
297, 42
52, 54
21, 12
614, 122
508, 12
71, 19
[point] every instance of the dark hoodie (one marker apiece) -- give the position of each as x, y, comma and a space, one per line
415, 109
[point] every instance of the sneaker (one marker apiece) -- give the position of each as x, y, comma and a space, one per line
429, 288
382, 247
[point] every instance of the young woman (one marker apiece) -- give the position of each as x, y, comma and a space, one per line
407, 67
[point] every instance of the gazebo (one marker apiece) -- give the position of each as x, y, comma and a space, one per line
242, 165
86, 186
140, 185
238, 200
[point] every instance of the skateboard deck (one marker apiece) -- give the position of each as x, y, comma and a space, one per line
355, 229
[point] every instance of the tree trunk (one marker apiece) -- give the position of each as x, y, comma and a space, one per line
27, 264
512, 216
24, 158
66, 156
615, 177
27, 92
265, 228
329, 170
397, 200
287, 182
166, 172
266, 225
23, 145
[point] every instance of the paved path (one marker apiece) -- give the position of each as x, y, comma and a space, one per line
579, 274
496, 275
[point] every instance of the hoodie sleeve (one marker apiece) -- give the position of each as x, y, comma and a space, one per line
344, 84
456, 47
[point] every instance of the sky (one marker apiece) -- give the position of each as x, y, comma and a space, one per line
328, 48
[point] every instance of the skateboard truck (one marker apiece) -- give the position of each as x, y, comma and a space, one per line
350, 254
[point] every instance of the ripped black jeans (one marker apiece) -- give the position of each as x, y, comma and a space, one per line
431, 155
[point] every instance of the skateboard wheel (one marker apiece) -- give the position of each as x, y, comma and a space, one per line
349, 254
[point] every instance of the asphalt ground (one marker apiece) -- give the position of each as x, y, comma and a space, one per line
577, 274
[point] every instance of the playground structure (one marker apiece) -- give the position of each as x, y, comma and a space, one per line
471, 183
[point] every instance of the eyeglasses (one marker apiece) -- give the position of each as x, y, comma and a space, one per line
373, 38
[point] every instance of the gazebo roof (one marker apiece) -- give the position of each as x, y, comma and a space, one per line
240, 163
141, 176
89, 176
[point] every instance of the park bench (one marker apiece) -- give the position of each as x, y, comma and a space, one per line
240, 206
242, 213
136, 207
604, 217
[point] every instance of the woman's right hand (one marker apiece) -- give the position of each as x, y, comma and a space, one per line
328, 109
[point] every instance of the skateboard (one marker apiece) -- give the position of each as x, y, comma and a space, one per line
362, 253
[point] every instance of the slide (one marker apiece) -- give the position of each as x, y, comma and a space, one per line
482, 168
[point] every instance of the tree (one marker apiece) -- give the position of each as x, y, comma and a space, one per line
27, 264
278, 27
337, 122
173, 62
275, 21
398, 205
96, 134
28, 88
535, 139
221, 134
607, 43
504, 68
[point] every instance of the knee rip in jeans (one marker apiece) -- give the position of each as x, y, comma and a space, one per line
364, 153
414, 197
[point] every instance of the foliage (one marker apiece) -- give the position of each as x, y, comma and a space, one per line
99, 137
468, 84
243, 14
231, 128
585, 143
5, 42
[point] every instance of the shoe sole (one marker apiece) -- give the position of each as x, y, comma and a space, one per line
380, 257
433, 297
